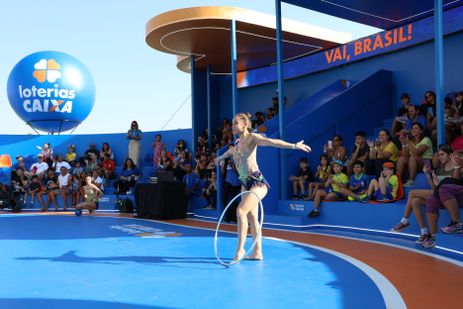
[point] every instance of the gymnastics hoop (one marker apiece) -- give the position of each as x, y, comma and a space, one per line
259, 229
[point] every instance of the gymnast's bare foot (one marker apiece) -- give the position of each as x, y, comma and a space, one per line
239, 255
254, 257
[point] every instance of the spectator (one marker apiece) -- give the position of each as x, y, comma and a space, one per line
358, 183
231, 187
335, 150
60, 163
303, 177
34, 188
417, 198
20, 183
260, 119
192, 182
109, 167
201, 166
134, 135
383, 150
384, 189
19, 165
64, 186
71, 155
202, 148
321, 176
97, 180
360, 151
449, 195
211, 191
91, 195
179, 166
402, 114
105, 149
413, 117
129, 176
75, 190
415, 153
47, 153
333, 188
91, 150
51, 182
91, 163
181, 146
39, 168
164, 162
78, 169
158, 146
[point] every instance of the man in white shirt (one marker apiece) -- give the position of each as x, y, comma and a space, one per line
39, 168
64, 184
59, 163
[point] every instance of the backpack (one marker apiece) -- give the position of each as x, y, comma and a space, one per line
125, 205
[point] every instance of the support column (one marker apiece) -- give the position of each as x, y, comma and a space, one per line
234, 58
439, 71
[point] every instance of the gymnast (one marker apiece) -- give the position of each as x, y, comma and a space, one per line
244, 156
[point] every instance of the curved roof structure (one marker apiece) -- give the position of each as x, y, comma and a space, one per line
204, 32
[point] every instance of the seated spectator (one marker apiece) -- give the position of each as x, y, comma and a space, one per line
20, 184
39, 168
164, 162
333, 188
91, 150
417, 198
202, 148
64, 188
129, 176
359, 153
201, 166
358, 183
210, 192
415, 152
75, 190
271, 113
211, 165
383, 150
51, 184
303, 177
20, 165
109, 168
97, 180
91, 163
192, 182
321, 176
181, 146
384, 189
259, 119
91, 195
231, 187
60, 163
448, 195
179, 166
71, 155
105, 149
414, 117
335, 150
398, 124
428, 110
34, 188
78, 169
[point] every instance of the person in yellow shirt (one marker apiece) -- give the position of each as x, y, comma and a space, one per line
385, 188
333, 188
383, 150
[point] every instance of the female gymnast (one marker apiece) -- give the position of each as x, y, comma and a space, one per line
244, 156
91, 195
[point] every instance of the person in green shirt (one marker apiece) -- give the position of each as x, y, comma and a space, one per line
333, 188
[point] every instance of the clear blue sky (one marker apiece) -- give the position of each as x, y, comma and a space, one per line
133, 81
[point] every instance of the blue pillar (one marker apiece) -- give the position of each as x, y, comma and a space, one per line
234, 58
193, 102
281, 98
209, 89
439, 71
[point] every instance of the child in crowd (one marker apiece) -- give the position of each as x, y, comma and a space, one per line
299, 182
97, 180
75, 190
384, 189
158, 146
211, 191
71, 156
321, 175
34, 188
358, 182
78, 169
333, 188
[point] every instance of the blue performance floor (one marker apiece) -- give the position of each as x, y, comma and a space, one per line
59, 261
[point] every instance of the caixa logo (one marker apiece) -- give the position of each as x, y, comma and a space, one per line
51, 91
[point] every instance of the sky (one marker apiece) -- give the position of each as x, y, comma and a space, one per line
132, 80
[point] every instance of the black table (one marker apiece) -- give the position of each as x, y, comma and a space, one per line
164, 200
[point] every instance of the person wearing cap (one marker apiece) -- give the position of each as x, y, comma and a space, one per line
448, 195
333, 187
40, 167
444, 168
385, 188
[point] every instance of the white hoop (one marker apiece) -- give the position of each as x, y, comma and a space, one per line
259, 229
